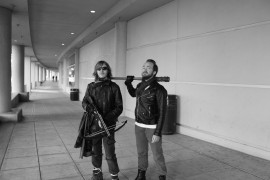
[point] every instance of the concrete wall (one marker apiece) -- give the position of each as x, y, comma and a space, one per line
216, 53
152, 35
102, 48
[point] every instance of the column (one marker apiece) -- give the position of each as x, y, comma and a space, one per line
60, 70
77, 69
33, 74
5, 59
50, 75
121, 47
65, 75
17, 68
120, 53
27, 74
44, 74
40, 73
36, 75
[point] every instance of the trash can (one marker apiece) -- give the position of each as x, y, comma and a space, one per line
74, 94
169, 126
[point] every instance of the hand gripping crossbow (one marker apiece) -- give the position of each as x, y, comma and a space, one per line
98, 127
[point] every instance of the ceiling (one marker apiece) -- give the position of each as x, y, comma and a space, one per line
44, 27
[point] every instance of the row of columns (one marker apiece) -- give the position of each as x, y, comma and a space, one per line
16, 77
38, 74
120, 60
12, 60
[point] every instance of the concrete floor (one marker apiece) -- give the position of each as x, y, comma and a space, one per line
41, 147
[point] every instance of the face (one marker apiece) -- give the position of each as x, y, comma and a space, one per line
102, 71
147, 69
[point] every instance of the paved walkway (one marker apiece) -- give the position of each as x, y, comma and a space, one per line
41, 147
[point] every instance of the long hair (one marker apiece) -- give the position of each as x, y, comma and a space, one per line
98, 65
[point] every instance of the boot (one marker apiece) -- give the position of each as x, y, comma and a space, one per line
162, 177
141, 175
97, 174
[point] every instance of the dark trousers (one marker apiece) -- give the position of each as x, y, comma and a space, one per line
143, 138
109, 147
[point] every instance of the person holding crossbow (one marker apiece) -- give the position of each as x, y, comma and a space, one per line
103, 105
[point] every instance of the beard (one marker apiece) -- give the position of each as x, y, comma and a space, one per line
146, 76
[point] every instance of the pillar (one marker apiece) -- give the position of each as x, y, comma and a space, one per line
121, 47
36, 74
27, 74
77, 65
44, 74
40, 75
5, 59
50, 75
120, 53
60, 67
33, 74
65, 74
17, 68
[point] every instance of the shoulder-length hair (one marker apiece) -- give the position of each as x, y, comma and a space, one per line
99, 65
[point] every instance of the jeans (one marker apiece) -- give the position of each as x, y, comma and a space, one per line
143, 138
109, 147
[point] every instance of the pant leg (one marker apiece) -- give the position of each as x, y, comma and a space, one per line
157, 153
97, 153
109, 147
142, 148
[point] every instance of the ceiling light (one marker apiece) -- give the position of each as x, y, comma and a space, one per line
72, 33
92, 11
63, 44
15, 40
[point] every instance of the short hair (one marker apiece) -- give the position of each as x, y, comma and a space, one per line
155, 67
98, 65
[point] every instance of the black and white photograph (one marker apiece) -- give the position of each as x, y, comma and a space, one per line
134, 89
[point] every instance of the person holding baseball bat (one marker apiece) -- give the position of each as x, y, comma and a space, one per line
151, 102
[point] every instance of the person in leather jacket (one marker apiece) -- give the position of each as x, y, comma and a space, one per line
151, 105
106, 97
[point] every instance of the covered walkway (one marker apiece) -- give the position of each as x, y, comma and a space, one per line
41, 147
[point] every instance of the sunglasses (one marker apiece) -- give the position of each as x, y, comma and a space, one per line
102, 68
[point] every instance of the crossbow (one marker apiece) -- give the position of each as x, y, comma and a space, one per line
99, 128
101, 132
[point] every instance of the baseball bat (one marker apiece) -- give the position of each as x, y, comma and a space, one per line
161, 79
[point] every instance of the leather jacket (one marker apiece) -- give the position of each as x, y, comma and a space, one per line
151, 105
107, 98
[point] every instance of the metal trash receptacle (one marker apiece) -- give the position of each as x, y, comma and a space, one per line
169, 126
74, 94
